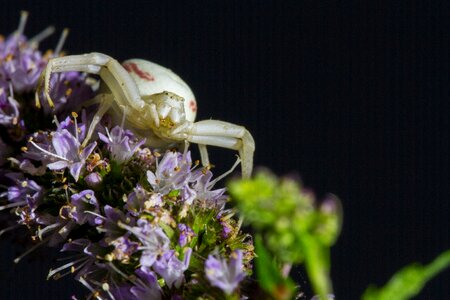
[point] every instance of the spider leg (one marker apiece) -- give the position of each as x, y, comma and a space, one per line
110, 71
225, 135
106, 100
204, 154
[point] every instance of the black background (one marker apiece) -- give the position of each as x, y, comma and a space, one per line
352, 95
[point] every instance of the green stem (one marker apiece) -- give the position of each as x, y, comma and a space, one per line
317, 265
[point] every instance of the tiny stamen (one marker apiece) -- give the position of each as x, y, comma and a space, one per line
55, 120
15, 204
31, 250
61, 42
95, 214
49, 153
212, 183
70, 264
48, 228
74, 115
132, 230
34, 41
86, 284
22, 22
3, 231
117, 270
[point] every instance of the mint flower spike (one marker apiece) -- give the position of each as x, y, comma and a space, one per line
223, 275
132, 234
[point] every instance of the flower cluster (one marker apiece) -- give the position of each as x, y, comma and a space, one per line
134, 223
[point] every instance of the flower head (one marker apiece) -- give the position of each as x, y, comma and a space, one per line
131, 220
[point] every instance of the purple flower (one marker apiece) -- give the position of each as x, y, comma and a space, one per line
69, 152
146, 158
186, 233
205, 195
146, 287
82, 263
93, 180
173, 173
28, 167
223, 275
171, 268
26, 192
226, 229
122, 292
56, 229
83, 203
39, 148
154, 241
68, 91
26, 216
76, 128
21, 63
224, 218
121, 144
123, 248
140, 200
110, 224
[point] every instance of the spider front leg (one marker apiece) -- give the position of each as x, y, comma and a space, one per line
225, 135
115, 77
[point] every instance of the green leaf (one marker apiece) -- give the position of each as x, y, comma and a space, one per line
409, 281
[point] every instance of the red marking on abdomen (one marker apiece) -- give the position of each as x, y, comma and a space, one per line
132, 67
193, 105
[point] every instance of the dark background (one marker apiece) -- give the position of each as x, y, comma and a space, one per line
352, 95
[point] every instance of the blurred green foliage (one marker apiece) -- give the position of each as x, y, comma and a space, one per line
293, 228
409, 281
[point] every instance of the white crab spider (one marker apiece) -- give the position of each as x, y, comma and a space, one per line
157, 104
